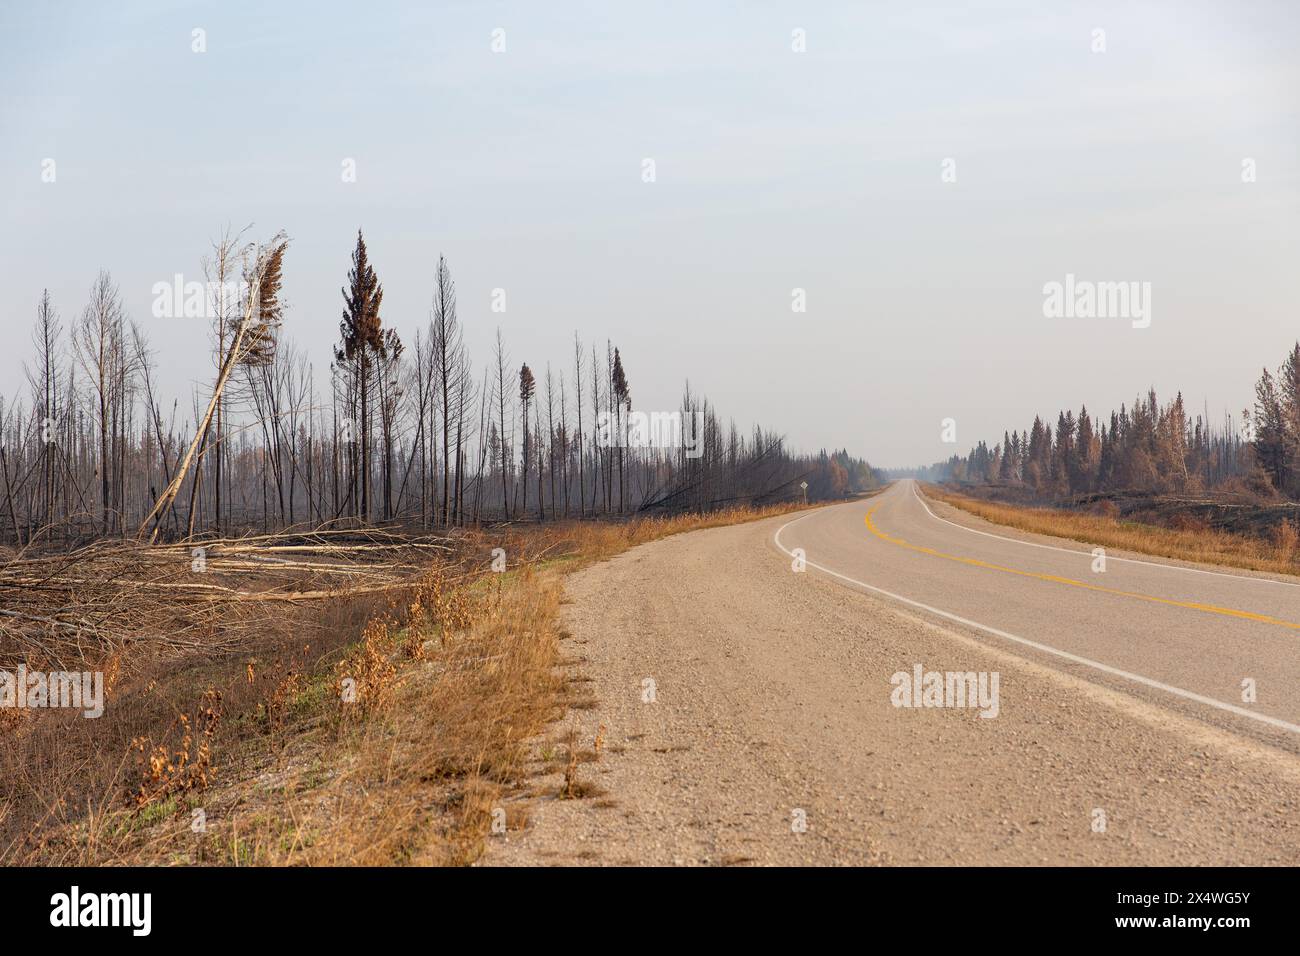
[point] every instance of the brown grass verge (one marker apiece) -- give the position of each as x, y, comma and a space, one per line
1203, 545
381, 729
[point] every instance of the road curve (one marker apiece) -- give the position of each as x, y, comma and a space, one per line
749, 713
1197, 639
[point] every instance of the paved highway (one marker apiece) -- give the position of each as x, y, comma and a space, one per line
1198, 639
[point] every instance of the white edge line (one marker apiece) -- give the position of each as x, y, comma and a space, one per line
1088, 554
1065, 655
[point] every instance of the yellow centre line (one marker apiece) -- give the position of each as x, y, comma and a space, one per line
975, 562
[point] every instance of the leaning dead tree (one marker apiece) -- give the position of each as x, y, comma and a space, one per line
254, 337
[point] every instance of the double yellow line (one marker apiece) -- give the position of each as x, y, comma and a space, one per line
1056, 579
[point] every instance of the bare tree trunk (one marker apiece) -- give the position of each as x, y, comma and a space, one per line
168, 497
577, 400
501, 406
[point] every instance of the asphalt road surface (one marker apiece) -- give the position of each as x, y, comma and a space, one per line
751, 713
1184, 636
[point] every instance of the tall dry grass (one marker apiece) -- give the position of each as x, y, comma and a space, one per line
1193, 541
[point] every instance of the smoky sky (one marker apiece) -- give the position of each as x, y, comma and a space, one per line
919, 172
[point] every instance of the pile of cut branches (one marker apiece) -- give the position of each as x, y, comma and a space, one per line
205, 593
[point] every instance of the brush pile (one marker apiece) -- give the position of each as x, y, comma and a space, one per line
99, 599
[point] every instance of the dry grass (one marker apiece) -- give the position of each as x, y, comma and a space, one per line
424, 776
1191, 541
399, 732
579, 543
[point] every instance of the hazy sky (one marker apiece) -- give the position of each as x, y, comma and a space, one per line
775, 170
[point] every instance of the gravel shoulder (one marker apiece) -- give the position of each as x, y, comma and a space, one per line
772, 707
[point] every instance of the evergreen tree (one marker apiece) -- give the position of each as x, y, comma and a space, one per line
362, 341
1270, 431
527, 388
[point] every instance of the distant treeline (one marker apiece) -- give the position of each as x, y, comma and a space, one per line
400, 430
1149, 447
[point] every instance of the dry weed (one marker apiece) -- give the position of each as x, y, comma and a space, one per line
167, 770
365, 677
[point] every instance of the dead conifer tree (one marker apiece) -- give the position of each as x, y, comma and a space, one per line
527, 386
255, 333
362, 341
